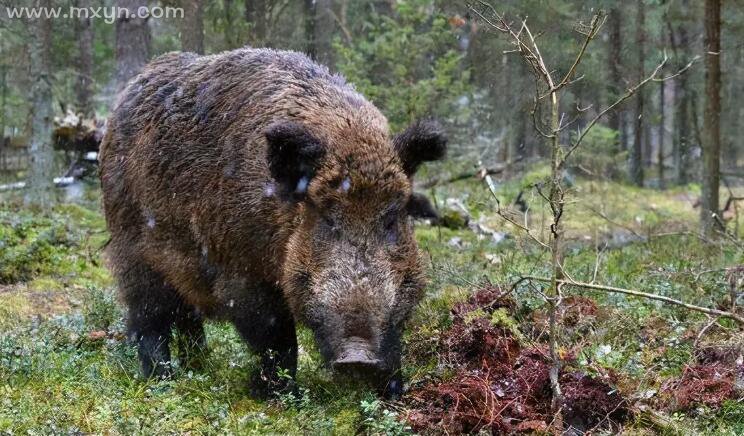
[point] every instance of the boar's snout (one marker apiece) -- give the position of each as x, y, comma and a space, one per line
357, 357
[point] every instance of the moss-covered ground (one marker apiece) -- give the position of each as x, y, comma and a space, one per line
65, 366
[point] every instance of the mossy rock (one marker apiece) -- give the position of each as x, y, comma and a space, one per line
454, 219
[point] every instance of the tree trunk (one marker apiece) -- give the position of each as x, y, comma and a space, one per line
192, 26
556, 198
40, 182
520, 135
636, 155
624, 133
709, 210
680, 42
319, 28
228, 30
731, 90
662, 126
3, 100
521, 121
682, 131
615, 78
132, 42
256, 14
343, 12
84, 82
310, 23
648, 144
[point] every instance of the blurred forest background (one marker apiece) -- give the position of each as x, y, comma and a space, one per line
535, 266
413, 58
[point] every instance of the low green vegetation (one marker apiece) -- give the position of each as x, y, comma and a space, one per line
66, 367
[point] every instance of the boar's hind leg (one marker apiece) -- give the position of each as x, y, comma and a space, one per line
192, 342
153, 305
267, 325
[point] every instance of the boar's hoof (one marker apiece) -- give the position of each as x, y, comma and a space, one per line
159, 370
154, 357
393, 389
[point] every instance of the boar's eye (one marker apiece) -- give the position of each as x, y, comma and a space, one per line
329, 221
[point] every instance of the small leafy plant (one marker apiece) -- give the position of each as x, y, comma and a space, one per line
379, 420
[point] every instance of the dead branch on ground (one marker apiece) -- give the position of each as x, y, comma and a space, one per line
714, 312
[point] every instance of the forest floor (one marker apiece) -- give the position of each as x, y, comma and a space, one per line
65, 366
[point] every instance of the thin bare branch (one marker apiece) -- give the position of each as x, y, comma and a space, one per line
597, 22
629, 93
500, 212
715, 312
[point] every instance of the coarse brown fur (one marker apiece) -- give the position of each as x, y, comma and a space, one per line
254, 186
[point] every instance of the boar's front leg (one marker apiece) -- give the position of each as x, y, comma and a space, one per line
392, 386
266, 324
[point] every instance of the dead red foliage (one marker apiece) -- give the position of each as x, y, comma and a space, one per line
97, 335
576, 308
708, 385
488, 298
717, 376
479, 343
500, 386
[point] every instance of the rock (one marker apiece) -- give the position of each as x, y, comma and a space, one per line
453, 219
484, 231
493, 259
455, 215
456, 242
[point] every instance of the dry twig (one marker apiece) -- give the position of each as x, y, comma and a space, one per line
714, 312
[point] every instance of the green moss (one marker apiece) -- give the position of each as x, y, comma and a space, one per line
538, 174
501, 318
346, 422
13, 306
45, 284
453, 219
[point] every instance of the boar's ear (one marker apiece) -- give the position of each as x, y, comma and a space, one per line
421, 142
294, 155
419, 207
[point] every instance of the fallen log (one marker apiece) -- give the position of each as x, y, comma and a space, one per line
59, 182
74, 134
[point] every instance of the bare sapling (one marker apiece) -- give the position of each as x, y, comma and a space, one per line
548, 121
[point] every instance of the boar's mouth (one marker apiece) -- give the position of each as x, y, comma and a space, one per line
351, 356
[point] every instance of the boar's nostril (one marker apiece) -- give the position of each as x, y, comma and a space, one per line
356, 358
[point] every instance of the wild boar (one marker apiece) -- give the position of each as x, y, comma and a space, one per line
256, 187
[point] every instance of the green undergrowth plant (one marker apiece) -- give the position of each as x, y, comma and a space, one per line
379, 420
